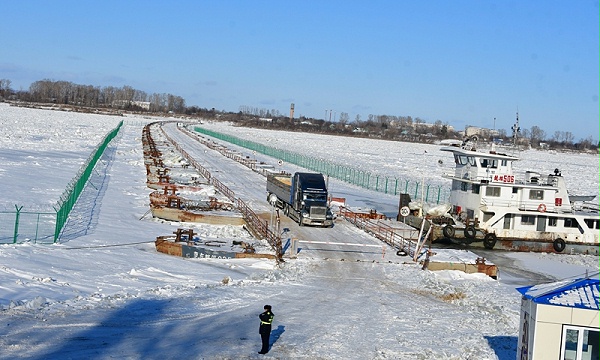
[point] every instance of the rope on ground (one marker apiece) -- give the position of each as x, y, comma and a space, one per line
101, 246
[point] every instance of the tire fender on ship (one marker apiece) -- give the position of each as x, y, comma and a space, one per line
401, 252
559, 245
470, 232
448, 231
489, 241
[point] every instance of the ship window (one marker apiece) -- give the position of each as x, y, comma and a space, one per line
462, 160
552, 221
527, 220
472, 161
492, 191
570, 223
475, 188
464, 186
456, 184
536, 194
589, 223
491, 163
515, 190
503, 163
487, 216
470, 213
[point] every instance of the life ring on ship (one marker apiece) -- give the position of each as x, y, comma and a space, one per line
559, 245
489, 241
470, 232
542, 207
448, 231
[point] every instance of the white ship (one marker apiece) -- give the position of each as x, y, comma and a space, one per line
531, 213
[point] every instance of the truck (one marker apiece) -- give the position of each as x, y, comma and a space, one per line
302, 196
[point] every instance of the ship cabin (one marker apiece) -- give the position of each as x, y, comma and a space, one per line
485, 180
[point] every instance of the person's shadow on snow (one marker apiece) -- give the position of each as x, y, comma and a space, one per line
275, 334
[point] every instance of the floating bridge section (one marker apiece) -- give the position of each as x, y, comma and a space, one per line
257, 226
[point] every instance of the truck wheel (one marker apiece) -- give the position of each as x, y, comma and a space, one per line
448, 231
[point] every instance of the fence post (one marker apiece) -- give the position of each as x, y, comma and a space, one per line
17, 216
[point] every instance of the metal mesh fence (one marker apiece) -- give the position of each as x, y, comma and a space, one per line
75, 187
23, 225
433, 194
26, 226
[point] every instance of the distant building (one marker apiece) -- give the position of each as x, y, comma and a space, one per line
127, 103
477, 131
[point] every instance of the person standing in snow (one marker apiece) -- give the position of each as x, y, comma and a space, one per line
266, 319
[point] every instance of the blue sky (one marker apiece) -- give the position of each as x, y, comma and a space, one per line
461, 62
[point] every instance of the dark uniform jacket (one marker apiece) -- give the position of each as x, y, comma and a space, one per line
266, 319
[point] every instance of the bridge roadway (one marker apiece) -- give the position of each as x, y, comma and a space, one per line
251, 188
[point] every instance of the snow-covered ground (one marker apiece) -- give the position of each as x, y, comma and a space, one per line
104, 292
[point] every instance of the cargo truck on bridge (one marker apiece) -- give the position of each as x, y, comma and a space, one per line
302, 196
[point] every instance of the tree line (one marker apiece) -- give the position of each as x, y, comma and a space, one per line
406, 128
68, 93
390, 127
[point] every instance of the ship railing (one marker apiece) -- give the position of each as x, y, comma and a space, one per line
527, 205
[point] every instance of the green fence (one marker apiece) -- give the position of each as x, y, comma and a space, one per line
433, 194
75, 187
20, 225
25, 225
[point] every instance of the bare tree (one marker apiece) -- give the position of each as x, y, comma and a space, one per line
5, 87
558, 135
536, 135
569, 138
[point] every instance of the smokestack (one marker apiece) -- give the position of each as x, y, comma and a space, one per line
292, 111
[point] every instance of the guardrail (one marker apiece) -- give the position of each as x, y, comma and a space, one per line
394, 237
257, 225
385, 233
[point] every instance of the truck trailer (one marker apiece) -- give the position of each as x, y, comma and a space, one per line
302, 196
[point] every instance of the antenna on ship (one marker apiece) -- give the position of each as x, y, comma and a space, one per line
516, 130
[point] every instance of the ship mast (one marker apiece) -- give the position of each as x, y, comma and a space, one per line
516, 129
